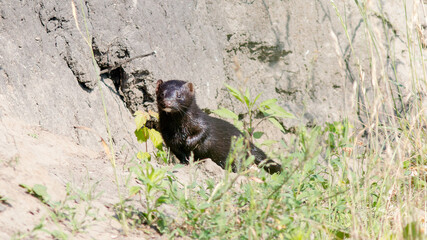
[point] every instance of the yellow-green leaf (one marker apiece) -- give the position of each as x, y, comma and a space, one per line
143, 156
141, 118
270, 107
156, 138
268, 102
225, 113
280, 112
256, 99
277, 124
236, 93
247, 97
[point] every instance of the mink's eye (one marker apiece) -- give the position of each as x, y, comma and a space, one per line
178, 95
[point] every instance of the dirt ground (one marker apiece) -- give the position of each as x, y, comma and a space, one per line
37, 156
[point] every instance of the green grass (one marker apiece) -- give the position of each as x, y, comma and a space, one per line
74, 214
331, 188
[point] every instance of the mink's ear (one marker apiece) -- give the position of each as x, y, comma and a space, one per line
159, 83
190, 87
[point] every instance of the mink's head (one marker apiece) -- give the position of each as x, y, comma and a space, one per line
174, 95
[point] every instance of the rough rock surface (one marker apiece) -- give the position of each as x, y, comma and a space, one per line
295, 51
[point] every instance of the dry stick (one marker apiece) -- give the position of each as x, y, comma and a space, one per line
125, 61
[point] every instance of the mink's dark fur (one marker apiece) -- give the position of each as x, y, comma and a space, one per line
186, 129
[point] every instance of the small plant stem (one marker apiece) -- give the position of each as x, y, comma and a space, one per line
110, 139
113, 155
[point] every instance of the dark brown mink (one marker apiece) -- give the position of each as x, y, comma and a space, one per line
185, 128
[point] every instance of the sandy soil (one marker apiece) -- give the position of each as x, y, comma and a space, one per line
31, 155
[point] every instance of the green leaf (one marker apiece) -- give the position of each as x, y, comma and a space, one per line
277, 124
28, 188
256, 99
141, 118
143, 156
225, 113
161, 154
247, 98
41, 191
268, 102
204, 205
406, 164
142, 134
280, 112
38, 226
156, 138
258, 135
270, 107
340, 234
134, 190
161, 200
236, 93
247, 94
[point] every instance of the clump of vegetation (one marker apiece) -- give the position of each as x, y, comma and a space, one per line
75, 213
153, 180
332, 186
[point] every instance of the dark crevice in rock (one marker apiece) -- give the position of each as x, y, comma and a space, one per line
286, 91
103, 60
261, 51
83, 86
117, 75
129, 82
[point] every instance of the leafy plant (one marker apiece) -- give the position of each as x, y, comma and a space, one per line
143, 134
39, 191
69, 210
32, 233
154, 185
153, 180
77, 209
269, 108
